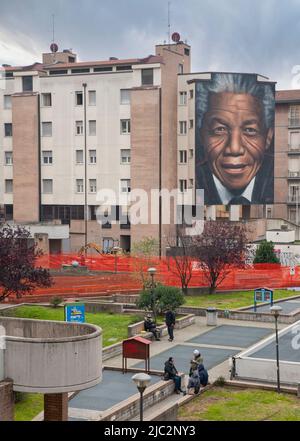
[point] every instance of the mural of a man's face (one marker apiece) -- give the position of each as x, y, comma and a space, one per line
235, 138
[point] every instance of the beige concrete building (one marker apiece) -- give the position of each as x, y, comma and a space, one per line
70, 129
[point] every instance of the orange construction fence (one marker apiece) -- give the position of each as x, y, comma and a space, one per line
270, 275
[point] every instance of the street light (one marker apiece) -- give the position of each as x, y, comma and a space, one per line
275, 310
152, 272
142, 381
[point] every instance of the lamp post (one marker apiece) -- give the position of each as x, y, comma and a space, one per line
142, 381
152, 272
275, 310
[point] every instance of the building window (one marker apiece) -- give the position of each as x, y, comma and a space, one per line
8, 129
125, 186
182, 127
46, 100
180, 68
93, 185
47, 157
294, 116
79, 186
120, 68
186, 52
147, 77
125, 156
92, 156
79, 156
182, 98
191, 124
8, 212
103, 69
191, 94
7, 102
8, 158
47, 129
92, 97
191, 153
92, 128
58, 72
125, 96
191, 183
125, 126
8, 185
78, 98
182, 156
79, 127
182, 185
27, 82
47, 186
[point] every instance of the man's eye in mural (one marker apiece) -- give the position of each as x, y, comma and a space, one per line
251, 131
219, 130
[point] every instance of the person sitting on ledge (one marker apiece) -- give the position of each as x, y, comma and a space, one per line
171, 373
150, 326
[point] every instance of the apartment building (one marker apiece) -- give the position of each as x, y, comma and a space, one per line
69, 129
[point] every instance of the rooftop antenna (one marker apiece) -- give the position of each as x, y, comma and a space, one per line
53, 46
169, 23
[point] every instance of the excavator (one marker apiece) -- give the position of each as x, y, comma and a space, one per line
99, 250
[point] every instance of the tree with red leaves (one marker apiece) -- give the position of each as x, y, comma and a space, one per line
18, 273
222, 246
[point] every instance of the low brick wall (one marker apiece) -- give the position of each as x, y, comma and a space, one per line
125, 298
242, 315
6, 401
181, 322
94, 307
128, 409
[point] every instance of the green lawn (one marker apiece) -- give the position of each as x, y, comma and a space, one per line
30, 406
232, 300
114, 326
229, 404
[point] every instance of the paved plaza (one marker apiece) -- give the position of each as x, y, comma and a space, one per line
288, 307
216, 344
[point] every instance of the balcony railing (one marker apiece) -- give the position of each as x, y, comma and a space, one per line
294, 175
294, 148
294, 122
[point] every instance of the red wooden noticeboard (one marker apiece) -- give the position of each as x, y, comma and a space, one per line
136, 347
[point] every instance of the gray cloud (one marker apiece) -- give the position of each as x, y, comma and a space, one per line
227, 35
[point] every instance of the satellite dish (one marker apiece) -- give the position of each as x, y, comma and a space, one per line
176, 37
54, 47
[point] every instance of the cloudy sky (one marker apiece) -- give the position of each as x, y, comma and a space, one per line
228, 35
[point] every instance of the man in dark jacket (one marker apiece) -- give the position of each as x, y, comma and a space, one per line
203, 375
170, 322
171, 373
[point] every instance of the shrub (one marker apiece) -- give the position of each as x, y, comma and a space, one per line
55, 301
220, 382
265, 253
160, 299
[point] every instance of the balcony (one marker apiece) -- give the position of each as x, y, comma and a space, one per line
294, 175
293, 200
294, 122
293, 149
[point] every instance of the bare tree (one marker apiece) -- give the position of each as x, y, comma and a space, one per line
223, 245
182, 259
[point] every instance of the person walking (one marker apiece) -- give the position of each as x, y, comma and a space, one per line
170, 322
171, 373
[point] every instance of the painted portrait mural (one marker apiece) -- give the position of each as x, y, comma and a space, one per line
235, 139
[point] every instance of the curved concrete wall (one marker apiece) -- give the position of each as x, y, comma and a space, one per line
52, 357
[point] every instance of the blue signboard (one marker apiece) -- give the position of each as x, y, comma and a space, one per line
263, 295
75, 313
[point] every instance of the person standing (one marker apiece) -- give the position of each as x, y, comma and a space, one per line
170, 322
